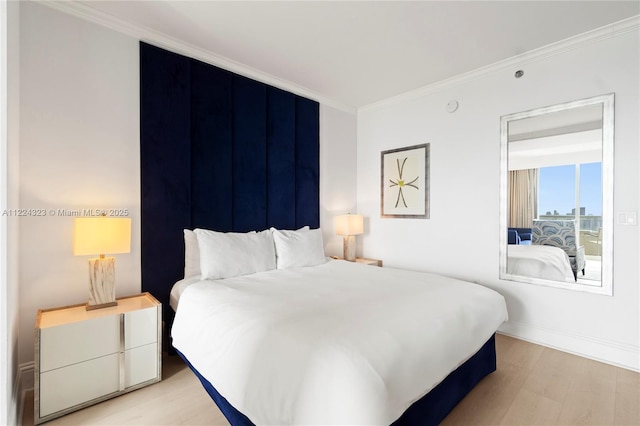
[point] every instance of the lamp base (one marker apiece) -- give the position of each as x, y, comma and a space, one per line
102, 289
349, 248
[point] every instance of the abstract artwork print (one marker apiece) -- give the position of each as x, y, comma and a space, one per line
405, 182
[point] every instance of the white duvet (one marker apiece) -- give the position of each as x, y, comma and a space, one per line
538, 261
338, 343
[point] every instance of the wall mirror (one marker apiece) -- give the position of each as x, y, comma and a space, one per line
556, 195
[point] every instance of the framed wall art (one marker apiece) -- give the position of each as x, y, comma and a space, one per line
404, 189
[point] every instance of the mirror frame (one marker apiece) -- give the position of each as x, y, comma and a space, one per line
606, 283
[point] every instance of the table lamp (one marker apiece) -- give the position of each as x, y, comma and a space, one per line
349, 225
99, 236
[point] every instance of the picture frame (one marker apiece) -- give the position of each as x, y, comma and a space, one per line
404, 183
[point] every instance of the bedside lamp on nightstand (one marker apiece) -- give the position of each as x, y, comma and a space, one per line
349, 225
99, 236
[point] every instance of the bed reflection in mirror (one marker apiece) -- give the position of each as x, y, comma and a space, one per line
556, 195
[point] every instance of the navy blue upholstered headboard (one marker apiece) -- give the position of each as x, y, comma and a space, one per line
218, 151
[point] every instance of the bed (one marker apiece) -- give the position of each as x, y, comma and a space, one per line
538, 261
334, 343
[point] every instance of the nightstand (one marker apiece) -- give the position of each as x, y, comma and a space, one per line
85, 357
364, 260
373, 262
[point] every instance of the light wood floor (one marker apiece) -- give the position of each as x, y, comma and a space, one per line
533, 385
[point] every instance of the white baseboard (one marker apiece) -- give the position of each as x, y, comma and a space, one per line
24, 383
610, 352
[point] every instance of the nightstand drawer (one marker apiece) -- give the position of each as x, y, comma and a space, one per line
140, 364
140, 327
75, 342
73, 385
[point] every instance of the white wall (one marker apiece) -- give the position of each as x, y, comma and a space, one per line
80, 149
461, 237
9, 301
6, 370
337, 172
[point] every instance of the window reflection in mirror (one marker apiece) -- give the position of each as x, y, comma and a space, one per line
556, 192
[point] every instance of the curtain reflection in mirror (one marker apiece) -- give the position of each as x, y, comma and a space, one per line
523, 197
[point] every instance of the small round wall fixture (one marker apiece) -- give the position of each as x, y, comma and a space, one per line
452, 106
519, 73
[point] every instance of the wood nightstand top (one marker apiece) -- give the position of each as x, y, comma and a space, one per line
364, 260
75, 313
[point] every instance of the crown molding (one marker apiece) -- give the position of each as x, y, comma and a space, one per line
556, 48
148, 35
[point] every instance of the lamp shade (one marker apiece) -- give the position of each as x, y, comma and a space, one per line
101, 235
349, 224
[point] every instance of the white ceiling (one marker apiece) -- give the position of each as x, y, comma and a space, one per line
361, 52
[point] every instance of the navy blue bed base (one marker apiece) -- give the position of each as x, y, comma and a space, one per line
235, 417
431, 409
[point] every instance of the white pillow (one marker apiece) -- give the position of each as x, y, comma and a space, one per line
304, 228
295, 249
191, 254
230, 254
